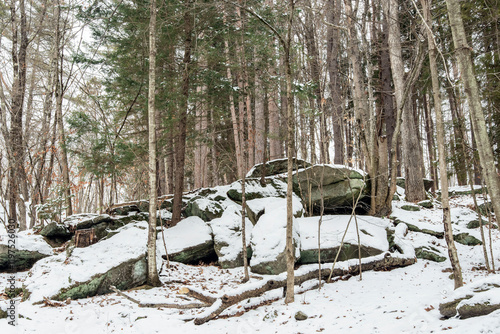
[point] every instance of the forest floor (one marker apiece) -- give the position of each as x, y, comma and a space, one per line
404, 300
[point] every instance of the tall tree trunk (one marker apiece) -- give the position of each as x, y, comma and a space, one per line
452, 251
260, 117
290, 249
333, 54
412, 159
314, 64
180, 146
431, 146
152, 278
16, 151
463, 53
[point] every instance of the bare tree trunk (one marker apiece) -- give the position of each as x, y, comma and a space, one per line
333, 53
16, 151
431, 146
152, 278
463, 52
452, 251
314, 64
412, 158
290, 249
180, 146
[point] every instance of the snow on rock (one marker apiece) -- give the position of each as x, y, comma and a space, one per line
227, 236
190, 241
57, 276
268, 237
372, 237
476, 299
26, 240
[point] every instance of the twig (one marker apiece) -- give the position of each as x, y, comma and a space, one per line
114, 289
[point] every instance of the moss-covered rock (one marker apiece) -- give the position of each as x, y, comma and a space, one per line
204, 208
401, 182
3, 313
124, 276
427, 253
426, 204
55, 230
17, 260
484, 208
467, 239
475, 224
409, 207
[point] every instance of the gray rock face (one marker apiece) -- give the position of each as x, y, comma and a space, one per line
125, 276
195, 254
275, 167
22, 259
401, 182
204, 208
339, 186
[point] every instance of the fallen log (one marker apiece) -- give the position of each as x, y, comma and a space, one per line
387, 262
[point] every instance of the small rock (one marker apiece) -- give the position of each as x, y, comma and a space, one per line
409, 207
426, 204
299, 316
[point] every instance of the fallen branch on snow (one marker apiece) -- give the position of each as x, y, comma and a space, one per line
257, 289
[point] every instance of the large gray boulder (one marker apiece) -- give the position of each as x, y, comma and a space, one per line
227, 237
269, 236
85, 272
275, 167
204, 208
372, 236
189, 242
338, 186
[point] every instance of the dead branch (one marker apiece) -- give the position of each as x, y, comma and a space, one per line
386, 263
158, 305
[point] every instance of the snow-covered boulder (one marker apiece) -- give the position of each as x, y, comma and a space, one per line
189, 242
22, 260
29, 248
227, 237
275, 167
90, 271
268, 239
338, 186
103, 225
475, 299
372, 237
204, 208
254, 189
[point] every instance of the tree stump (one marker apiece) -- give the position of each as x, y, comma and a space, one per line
84, 238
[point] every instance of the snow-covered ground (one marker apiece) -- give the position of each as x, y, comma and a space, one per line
403, 300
